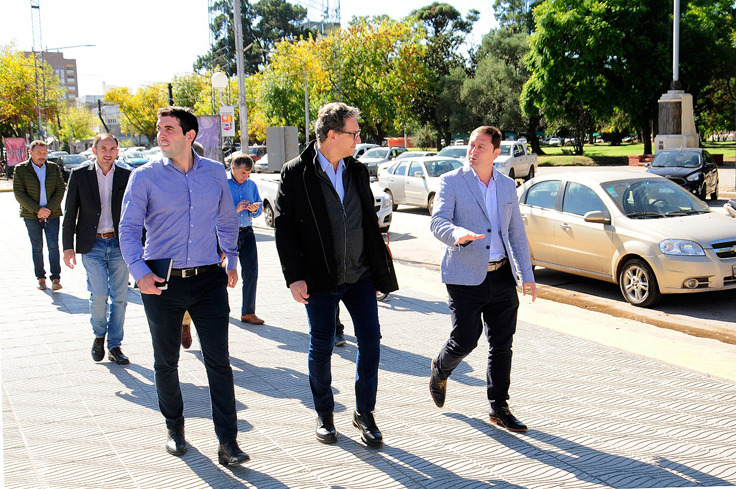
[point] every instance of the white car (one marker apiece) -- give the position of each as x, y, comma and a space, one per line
415, 181
516, 161
268, 186
459, 152
373, 158
362, 148
554, 142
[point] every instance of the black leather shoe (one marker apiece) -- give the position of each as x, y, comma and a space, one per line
370, 434
501, 415
98, 349
340, 340
176, 444
437, 387
325, 431
230, 454
116, 355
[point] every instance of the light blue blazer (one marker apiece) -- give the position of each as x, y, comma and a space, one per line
458, 208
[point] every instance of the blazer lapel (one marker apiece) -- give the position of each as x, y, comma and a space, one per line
94, 188
472, 183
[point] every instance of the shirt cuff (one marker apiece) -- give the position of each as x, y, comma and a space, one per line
232, 261
139, 270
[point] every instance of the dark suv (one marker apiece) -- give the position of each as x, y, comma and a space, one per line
691, 168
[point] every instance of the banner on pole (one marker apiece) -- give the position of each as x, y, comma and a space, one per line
227, 121
16, 150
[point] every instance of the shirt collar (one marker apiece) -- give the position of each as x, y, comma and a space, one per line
99, 169
196, 160
324, 163
493, 175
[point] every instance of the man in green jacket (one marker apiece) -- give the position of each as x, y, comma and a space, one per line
40, 208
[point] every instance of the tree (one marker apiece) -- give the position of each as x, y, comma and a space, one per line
75, 123
189, 89
139, 110
18, 98
264, 24
446, 32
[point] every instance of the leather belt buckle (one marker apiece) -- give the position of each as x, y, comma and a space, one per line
106, 235
495, 265
188, 272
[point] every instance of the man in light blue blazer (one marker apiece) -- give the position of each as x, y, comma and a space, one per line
476, 215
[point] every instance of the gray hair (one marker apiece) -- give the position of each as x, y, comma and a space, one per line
332, 117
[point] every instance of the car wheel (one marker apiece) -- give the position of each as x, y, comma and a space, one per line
268, 214
512, 174
531, 173
714, 195
430, 204
394, 205
638, 283
702, 193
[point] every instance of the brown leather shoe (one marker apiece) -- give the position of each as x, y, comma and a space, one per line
55, 284
251, 318
42, 284
186, 336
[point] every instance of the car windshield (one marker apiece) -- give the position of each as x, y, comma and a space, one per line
676, 159
72, 159
653, 198
134, 154
505, 150
436, 168
377, 153
256, 151
453, 152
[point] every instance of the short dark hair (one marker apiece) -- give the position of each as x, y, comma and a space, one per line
104, 135
332, 117
241, 159
492, 131
37, 142
185, 116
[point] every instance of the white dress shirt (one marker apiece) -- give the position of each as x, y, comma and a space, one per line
104, 184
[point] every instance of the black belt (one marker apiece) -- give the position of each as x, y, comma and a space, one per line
191, 272
495, 265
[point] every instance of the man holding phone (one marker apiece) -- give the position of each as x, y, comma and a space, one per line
247, 203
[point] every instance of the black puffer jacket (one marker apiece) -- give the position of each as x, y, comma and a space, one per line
303, 233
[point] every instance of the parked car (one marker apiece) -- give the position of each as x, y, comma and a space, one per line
691, 168
134, 158
133, 148
257, 152
88, 153
268, 186
415, 181
554, 142
362, 148
153, 154
460, 152
516, 161
69, 162
53, 156
375, 156
262, 164
414, 154
638, 230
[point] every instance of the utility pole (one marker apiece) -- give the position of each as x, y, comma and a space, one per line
171, 95
37, 58
239, 51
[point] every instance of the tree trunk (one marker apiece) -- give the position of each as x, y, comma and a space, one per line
646, 136
531, 130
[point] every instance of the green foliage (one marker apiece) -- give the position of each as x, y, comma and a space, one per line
139, 110
76, 123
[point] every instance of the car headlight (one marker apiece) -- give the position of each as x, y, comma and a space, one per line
681, 247
386, 202
693, 177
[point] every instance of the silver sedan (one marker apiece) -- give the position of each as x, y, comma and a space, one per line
415, 181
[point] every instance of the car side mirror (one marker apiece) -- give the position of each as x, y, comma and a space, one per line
597, 217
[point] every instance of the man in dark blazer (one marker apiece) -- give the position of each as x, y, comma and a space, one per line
93, 205
486, 256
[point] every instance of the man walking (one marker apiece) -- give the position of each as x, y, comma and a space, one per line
476, 215
39, 188
331, 250
184, 201
247, 203
93, 204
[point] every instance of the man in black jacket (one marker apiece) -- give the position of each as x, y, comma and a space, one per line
93, 205
331, 250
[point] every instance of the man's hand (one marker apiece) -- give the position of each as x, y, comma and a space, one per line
299, 291
468, 238
242, 205
529, 288
232, 278
70, 258
147, 284
253, 207
43, 213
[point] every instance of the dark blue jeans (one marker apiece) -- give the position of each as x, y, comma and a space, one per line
36, 231
490, 306
205, 297
360, 300
248, 256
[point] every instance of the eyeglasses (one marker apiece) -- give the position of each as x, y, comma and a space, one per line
355, 134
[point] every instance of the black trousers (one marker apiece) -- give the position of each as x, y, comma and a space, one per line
205, 297
491, 306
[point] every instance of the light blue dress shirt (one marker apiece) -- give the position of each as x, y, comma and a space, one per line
183, 213
248, 190
334, 176
41, 174
497, 251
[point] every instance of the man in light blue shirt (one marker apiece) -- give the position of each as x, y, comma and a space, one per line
247, 203
184, 203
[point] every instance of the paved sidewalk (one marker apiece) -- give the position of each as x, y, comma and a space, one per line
599, 416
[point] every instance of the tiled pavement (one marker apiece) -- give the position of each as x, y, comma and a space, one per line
599, 417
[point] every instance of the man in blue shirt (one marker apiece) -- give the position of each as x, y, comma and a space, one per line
184, 202
247, 203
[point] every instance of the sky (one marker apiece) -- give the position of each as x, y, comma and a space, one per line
135, 42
